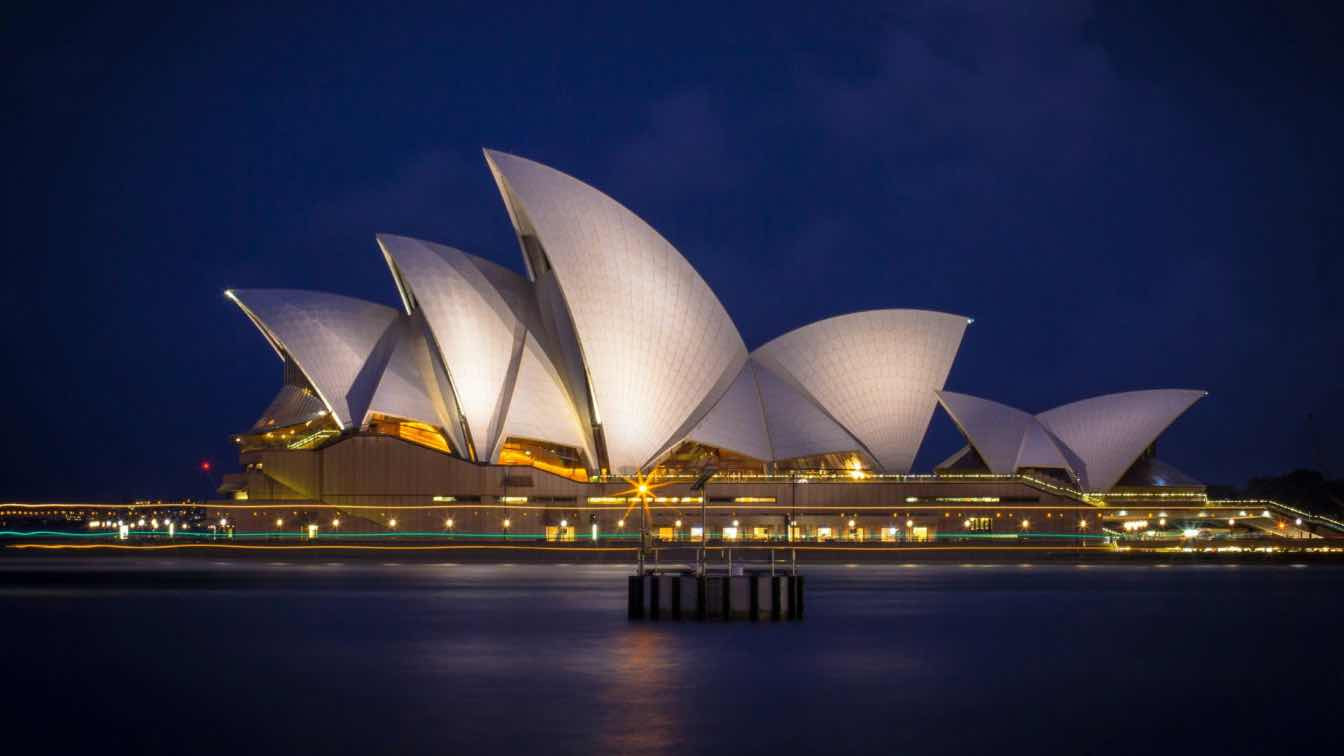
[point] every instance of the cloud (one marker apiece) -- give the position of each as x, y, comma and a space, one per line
683, 148
995, 89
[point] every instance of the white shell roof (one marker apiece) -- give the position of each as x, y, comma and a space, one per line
471, 324
796, 425
1110, 432
330, 338
1040, 449
484, 320
737, 422
1006, 438
995, 430
874, 372
401, 388
656, 341
538, 408
293, 404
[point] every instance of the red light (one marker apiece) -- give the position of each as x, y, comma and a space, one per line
205, 466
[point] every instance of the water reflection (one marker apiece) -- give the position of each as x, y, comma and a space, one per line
357, 656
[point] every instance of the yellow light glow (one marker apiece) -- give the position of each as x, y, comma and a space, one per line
448, 523
507, 523
620, 523
1026, 524
336, 523
392, 523
279, 522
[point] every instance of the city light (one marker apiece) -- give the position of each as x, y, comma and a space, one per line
507, 522
279, 522
448, 523
392, 523
336, 522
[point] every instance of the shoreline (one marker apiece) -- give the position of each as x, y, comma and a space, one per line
755, 557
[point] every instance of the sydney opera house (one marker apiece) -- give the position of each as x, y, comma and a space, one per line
491, 401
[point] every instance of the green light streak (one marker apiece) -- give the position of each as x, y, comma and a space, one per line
271, 535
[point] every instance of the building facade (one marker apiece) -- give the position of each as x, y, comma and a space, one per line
608, 381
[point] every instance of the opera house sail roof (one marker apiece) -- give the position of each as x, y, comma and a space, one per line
1095, 441
612, 354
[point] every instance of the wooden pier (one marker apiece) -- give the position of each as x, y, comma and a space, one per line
752, 596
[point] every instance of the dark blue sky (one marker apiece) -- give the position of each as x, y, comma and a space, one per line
1122, 198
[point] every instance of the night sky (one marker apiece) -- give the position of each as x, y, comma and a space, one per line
1122, 198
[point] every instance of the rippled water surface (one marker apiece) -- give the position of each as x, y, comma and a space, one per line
193, 656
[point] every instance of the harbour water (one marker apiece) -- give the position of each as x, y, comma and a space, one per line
163, 655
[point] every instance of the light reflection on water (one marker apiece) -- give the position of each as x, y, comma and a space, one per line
356, 656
